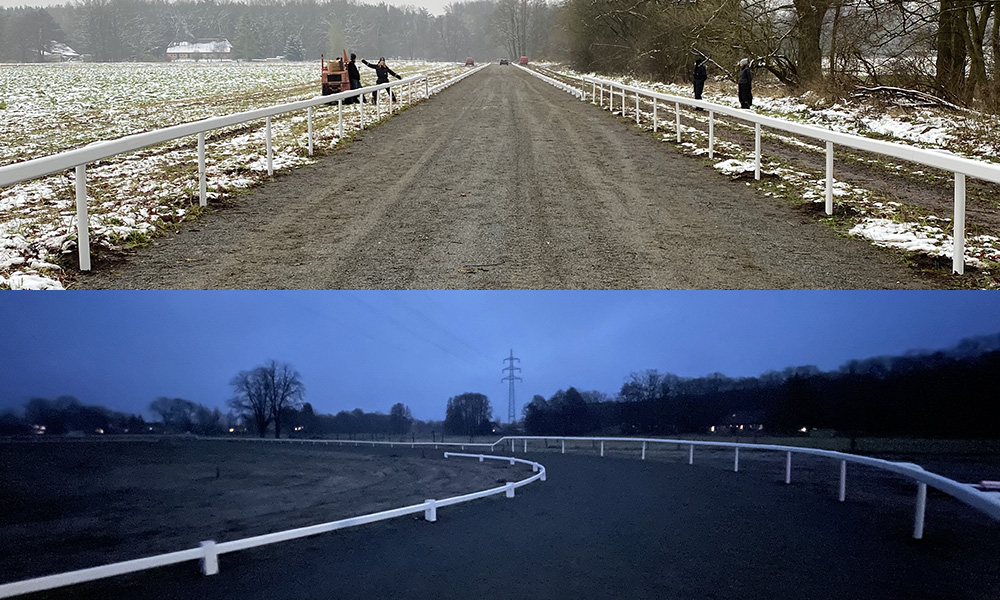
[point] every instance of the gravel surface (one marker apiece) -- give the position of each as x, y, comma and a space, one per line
503, 181
619, 528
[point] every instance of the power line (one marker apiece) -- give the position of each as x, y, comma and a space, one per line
510, 368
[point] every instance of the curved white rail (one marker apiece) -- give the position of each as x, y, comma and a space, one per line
984, 502
566, 88
209, 551
940, 159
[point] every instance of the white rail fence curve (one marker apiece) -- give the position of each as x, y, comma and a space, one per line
208, 552
960, 166
79, 158
985, 502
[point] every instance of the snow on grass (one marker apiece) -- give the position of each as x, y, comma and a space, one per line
55, 107
884, 223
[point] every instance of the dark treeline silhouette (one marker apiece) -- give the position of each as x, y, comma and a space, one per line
942, 394
67, 415
308, 423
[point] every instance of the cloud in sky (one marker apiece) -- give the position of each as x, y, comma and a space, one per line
373, 349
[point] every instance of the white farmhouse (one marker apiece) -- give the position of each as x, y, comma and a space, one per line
200, 50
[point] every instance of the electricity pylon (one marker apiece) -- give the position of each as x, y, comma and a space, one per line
510, 368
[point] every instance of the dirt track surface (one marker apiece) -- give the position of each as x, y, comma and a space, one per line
622, 528
503, 181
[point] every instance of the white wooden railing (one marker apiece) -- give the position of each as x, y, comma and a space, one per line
79, 158
984, 502
208, 552
960, 166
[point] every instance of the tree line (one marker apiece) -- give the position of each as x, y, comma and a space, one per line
944, 394
947, 47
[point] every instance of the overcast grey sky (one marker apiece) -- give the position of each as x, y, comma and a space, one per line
373, 349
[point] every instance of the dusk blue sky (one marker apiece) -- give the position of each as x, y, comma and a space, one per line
373, 349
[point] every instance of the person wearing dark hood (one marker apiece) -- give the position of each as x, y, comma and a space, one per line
354, 76
746, 78
382, 72
700, 77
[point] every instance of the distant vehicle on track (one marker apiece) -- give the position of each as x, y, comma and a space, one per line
504, 61
469, 62
524, 60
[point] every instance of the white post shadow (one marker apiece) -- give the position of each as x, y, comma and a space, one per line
756, 151
430, 510
210, 561
82, 219
309, 129
843, 481
918, 517
829, 178
270, 153
736, 461
202, 185
711, 134
958, 256
788, 467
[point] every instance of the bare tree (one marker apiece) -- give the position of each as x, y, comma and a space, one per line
263, 394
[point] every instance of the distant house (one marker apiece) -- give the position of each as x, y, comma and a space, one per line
57, 52
200, 50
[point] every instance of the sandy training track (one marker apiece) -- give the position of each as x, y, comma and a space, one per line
500, 182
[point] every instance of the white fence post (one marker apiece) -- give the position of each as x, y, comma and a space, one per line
829, 178
543, 475
593, 92
711, 134
843, 481
756, 151
958, 256
209, 562
510, 489
918, 517
430, 510
691, 454
602, 447
655, 118
525, 445
427, 88
270, 154
202, 186
736, 461
82, 220
340, 118
309, 128
637, 108
644, 451
480, 458
601, 91
677, 120
564, 446
788, 467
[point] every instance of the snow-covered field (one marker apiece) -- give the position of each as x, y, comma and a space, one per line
883, 223
55, 107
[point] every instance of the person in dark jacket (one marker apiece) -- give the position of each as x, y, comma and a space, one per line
354, 76
700, 77
382, 72
746, 78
